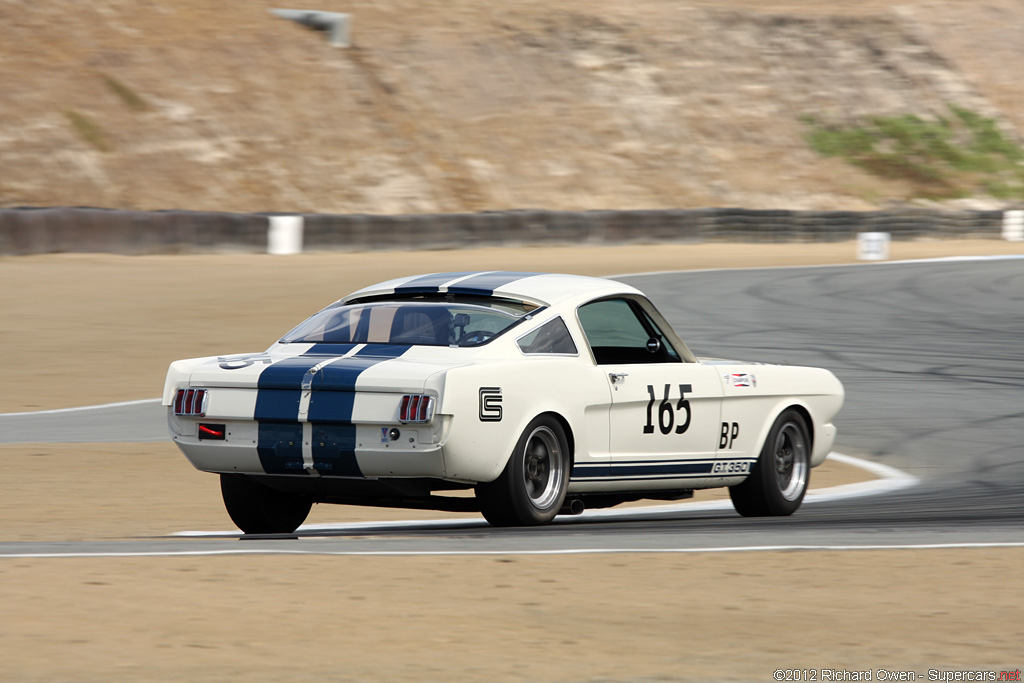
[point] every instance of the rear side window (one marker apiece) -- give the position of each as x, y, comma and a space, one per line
552, 337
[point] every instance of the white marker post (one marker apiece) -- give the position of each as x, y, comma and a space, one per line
284, 235
1013, 226
873, 246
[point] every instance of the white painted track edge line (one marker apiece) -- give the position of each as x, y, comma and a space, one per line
569, 551
939, 259
119, 404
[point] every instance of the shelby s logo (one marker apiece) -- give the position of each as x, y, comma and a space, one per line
490, 404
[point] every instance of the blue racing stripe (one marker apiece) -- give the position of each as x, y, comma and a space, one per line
485, 283
341, 375
277, 414
277, 405
280, 387
334, 450
331, 406
383, 350
643, 468
329, 349
280, 448
330, 409
286, 373
428, 284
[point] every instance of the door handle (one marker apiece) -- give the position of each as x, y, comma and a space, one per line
617, 377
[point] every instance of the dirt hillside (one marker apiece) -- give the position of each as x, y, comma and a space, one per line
465, 106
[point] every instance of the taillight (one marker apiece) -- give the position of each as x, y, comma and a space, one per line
416, 408
191, 402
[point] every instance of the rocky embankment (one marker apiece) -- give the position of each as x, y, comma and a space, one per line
459, 106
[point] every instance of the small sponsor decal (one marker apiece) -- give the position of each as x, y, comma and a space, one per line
731, 468
384, 435
490, 404
741, 379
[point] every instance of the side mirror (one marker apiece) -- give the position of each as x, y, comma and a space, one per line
653, 345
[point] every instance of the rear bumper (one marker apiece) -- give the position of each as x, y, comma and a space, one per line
306, 450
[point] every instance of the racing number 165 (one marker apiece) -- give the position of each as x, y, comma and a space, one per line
666, 413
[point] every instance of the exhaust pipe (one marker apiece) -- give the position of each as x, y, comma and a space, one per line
574, 506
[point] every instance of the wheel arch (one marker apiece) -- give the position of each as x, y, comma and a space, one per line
570, 439
782, 406
808, 421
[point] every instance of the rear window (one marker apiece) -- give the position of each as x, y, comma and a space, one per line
471, 321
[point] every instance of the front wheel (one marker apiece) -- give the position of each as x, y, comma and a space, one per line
258, 509
531, 489
777, 485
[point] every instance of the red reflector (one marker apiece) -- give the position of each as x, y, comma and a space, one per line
209, 431
403, 412
423, 409
179, 400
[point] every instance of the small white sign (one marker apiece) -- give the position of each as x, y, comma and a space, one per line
285, 235
873, 246
1013, 226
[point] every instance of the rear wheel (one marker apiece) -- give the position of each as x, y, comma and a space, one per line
257, 509
531, 489
777, 485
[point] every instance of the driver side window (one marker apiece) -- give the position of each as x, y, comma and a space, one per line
620, 332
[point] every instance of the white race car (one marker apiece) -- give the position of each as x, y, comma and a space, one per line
543, 393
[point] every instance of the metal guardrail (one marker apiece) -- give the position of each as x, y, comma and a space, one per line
65, 229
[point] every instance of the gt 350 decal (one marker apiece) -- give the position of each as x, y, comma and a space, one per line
490, 404
666, 415
731, 468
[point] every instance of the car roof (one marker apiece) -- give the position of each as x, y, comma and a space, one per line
548, 289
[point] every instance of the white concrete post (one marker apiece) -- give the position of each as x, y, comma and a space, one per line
284, 235
1013, 226
873, 246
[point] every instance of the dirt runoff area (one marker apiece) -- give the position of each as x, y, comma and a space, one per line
95, 328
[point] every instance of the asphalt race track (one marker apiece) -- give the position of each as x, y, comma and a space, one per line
929, 352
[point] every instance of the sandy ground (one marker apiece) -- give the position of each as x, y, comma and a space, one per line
594, 617
510, 618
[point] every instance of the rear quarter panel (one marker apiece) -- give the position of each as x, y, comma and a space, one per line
481, 437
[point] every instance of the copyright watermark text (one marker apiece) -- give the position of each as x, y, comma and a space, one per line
804, 675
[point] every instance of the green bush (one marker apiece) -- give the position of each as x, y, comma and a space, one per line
959, 156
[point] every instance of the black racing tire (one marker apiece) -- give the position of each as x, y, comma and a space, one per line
780, 477
258, 509
531, 489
